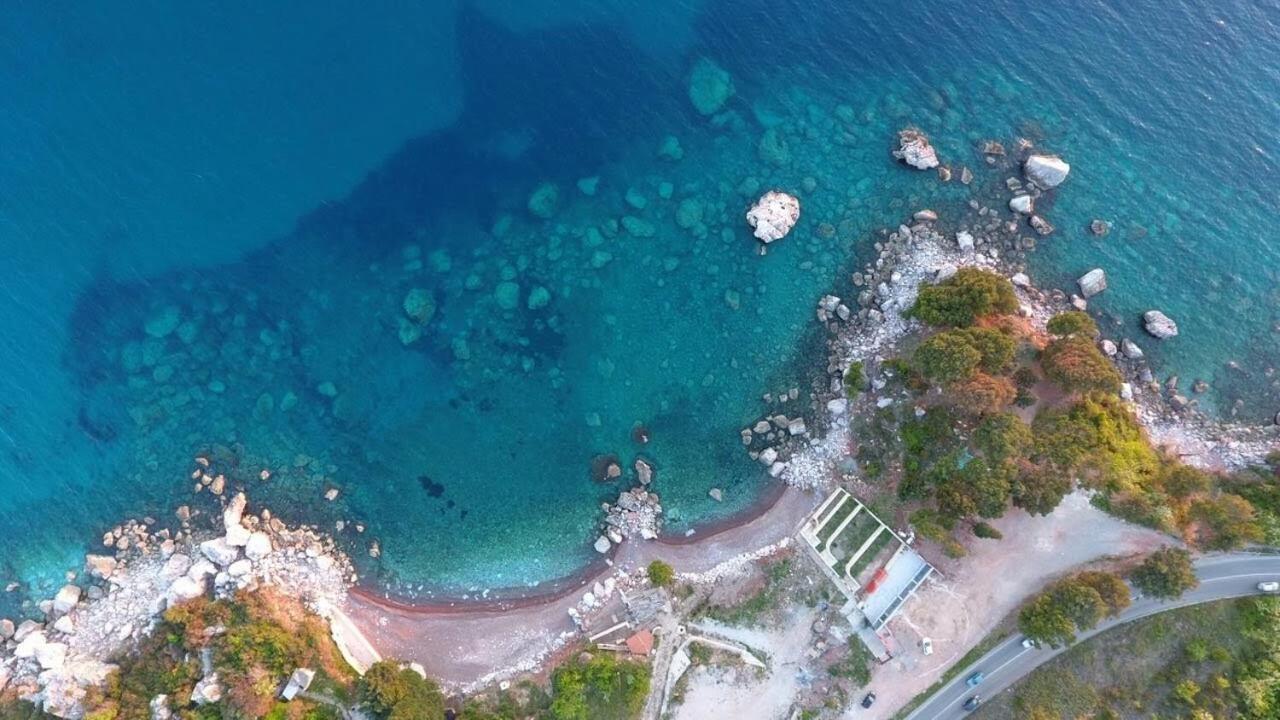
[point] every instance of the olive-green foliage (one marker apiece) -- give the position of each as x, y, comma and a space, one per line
1072, 322
1076, 364
854, 380
601, 688
1166, 573
1071, 605
1002, 437
660, 573
1099, 438
395, 693
947, 357
986, 531
959, 300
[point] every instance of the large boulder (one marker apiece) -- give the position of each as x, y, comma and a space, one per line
710, 86
220, 552
773, 215
1159, 324
1047, 171
66, 599
914, 149
1092, 282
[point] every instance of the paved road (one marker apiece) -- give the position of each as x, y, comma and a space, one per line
1221, 576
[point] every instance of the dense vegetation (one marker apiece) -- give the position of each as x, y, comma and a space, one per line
1219, 661
964, 451
256, 641
1072, 605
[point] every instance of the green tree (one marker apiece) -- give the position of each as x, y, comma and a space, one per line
1076, 364
1072, 322
661, 574
1002, 437
1166, 573
959, 300
395, 693
947, 357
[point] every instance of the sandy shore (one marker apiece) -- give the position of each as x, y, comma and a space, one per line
466, 644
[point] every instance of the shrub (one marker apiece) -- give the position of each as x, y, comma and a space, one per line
947, 357
981, 394
601, 688
661, 574
396, 693
1077, 365
1166, 573
964, 297
1002, 437
1072, 322
854, 380
986, 531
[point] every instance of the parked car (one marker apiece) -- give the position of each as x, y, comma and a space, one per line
1269, 586
869, 700
972, 703
975, 679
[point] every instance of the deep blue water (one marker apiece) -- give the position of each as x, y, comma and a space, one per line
281, 181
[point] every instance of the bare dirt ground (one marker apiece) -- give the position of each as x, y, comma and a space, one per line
467, 648
959, 609
734, 691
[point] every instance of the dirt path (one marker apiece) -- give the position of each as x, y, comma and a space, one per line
975, 593
464, 648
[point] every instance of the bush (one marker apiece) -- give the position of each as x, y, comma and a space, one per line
1072, 322
396, 693
1002, 437
959, 300
854, 380
986, 531
661, 574
1077, 365
981, 394
1166, 573
601, 688
947, 357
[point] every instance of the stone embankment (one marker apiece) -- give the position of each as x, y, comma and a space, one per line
55, 657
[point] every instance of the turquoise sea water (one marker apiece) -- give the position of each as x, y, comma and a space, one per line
266, 187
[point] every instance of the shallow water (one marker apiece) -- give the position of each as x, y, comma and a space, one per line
283, 193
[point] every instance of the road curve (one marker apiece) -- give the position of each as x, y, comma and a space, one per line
1221, 577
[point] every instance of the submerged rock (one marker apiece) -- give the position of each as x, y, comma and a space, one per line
1047, 171
773, 215
1092, 282
914, 149
544, 200
710, 86
1159, 324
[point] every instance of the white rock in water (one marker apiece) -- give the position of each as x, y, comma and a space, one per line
1159, 324
1047, 171
66, 599
914, 149
1092, 282
964, 240
1022, 204
219, 551
773, 215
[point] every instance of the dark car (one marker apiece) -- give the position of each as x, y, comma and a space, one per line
972, 703
869, 700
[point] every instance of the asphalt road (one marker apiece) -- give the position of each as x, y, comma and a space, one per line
1221, 577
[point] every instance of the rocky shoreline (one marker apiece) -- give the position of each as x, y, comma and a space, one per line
53, 658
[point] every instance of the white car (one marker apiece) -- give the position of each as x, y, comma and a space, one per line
1270, 586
